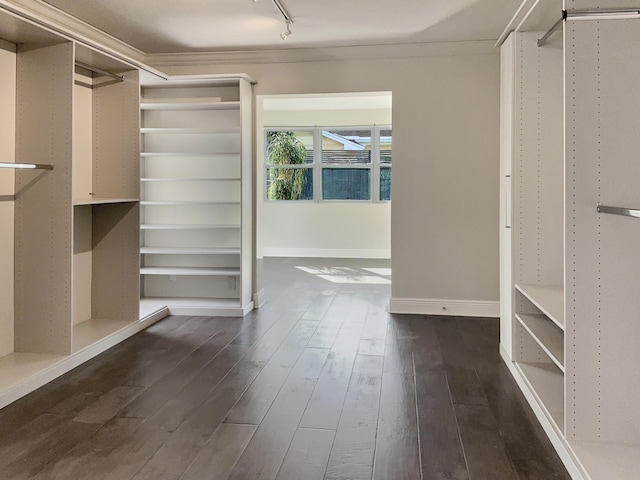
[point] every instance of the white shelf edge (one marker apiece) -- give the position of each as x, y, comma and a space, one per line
177, 104
536, 373
188, 251
191, 271
189, 131
101, 201
146, 226
189, 154
543, 336
203, 179
151, 202
548, 298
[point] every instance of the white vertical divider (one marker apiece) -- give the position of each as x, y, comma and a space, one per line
507, 85
43, 212
247, 254
603, 264
538, 166
115, 286
7, 154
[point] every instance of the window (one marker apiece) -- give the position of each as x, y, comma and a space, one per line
329, 164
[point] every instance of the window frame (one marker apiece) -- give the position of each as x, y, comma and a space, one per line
317, 166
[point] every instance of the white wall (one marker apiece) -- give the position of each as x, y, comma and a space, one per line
7, 154
308, 229
444, 210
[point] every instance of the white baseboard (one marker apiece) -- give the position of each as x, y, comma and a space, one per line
456, 308
326, 253
560, 444
258, 298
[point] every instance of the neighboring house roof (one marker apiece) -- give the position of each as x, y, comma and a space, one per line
348, 143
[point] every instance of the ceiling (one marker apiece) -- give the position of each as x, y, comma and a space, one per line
172, 26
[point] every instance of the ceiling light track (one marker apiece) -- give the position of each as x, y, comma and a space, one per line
288, 20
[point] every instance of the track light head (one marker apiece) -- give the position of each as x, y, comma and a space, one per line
284, 35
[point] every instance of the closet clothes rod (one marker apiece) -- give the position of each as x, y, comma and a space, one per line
627, 212
599, 14
542, 40
32, 166
115, 76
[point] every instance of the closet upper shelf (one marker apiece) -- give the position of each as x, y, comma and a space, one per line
102, 201
188, 104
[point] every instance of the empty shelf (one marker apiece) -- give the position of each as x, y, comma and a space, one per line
188, 154
100, 201
605, 461
208, 271
547, 383
202, 179
546, 334
548, 298
188, 104
187, 203
189, 251
158, 226
190, 131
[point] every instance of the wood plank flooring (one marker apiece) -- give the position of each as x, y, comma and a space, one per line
319, 383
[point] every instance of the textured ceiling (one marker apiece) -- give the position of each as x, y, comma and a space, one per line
170, 26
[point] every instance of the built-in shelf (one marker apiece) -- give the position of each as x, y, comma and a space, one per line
93, 330
208, 271
605, 461
157, 226
189, 251
546, 334
187, 203
101, 201
547, 384
188, 104
203, 179
228, 307
187, 154
197, 131
548, 298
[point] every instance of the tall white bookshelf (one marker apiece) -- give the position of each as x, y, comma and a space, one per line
197, 203
570, 270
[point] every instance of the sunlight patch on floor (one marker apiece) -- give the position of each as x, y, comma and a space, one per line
344, 275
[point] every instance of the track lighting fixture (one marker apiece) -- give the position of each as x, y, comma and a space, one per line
284, 35
287, 18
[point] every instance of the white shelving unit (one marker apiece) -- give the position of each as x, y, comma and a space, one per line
70, 232
197, 195
569, 277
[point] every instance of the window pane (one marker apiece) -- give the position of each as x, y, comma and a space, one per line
385, 147
289, 183
346, 183
385, 183
289, 147
346, 147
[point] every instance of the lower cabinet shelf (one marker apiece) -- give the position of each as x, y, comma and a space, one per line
547, 384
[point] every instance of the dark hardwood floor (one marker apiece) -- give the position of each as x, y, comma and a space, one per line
319, 383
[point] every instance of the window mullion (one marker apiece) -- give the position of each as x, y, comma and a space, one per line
317, 164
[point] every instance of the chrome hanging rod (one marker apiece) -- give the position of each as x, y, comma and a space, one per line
36, 166
627, 212
542, 40
600, 14
100, 71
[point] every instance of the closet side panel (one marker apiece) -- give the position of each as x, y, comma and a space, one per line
116, 138
43, 213
246, 118
603, 259
538, 175
7, 154
115, 284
